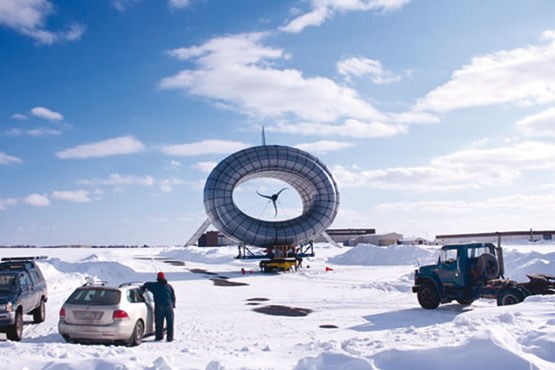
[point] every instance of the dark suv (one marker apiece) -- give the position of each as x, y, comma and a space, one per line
22, 291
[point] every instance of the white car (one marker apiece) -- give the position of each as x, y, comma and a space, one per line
100, 314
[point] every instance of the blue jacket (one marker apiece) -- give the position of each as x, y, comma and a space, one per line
162, 291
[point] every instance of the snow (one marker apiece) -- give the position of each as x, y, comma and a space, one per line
373, 319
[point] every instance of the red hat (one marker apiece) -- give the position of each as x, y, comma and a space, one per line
160, 276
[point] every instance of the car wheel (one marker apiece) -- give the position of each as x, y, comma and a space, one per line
509, 296
39, 314
15, 331
464, 301
428, 296
137, 335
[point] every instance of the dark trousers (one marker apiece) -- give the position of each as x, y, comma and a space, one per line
162, 312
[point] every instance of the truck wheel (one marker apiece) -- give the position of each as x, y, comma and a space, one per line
509, 296
428, 296
15, 331
39, 313
465, 302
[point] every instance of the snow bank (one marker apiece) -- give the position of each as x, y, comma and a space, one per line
333, 361
371, 255
209, 255
490, 349
112, 272
518, 265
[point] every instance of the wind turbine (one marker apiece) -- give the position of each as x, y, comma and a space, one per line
273, 198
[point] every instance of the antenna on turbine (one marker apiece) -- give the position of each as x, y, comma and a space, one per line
263, 137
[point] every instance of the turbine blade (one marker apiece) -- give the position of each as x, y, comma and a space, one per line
279, 192
264, 196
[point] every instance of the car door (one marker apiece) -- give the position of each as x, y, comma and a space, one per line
148, 300
140, 308
36, 288
26, 296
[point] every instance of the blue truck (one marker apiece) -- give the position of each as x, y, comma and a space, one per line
466, 272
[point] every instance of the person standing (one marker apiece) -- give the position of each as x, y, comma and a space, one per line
164, 303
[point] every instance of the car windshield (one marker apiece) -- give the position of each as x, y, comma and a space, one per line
95, 296
8, 282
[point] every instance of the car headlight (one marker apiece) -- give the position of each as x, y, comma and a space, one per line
6, 307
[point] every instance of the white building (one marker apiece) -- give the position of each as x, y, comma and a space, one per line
506, 236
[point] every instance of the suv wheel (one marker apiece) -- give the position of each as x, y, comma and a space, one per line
39, 313
15, 331
428, 296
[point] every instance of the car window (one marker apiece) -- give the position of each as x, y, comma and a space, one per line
134, 296
8, 283
93, 296
34, 276
24, 280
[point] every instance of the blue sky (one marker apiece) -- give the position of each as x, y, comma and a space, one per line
435, 117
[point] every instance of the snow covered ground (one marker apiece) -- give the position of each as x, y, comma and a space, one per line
370, 316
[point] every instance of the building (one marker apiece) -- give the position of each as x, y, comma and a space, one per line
344, 235
376, 239
214, 239
492, 237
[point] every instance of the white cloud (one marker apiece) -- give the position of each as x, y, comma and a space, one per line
524, 76
179, 4
74, 196
313, 18
116, 179
206, 167
512, 202
322, 10
18, 116
8, 159
36, 200
174, 165
237, 70
351, 128
540, 125
360, 66
28, 17
46, 113
167, 185
117, 146
204, 147
7, 202
122, 5
37, 132
465, 169
324, 146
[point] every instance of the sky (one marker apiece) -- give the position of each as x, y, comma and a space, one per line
434, 117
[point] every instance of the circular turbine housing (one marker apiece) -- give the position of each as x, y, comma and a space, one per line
301, 170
